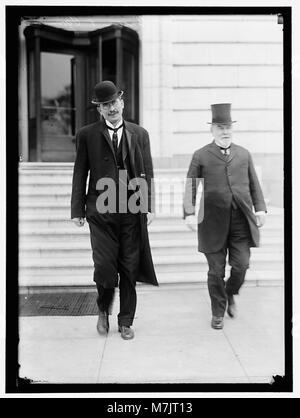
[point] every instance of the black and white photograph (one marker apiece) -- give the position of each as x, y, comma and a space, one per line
153, 198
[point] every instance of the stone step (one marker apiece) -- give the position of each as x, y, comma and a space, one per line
39, 198
44, 166
56, 214
161, 223
49, 190
61, 248
50, 218
161, 232
47, 206
55, 253
163, 190
81, 277
45, 179
57, 206
165, 263
50, 172
42, 182
59, 211
32, 203
38, 237
46, 200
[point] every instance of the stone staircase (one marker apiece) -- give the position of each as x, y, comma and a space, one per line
54, 252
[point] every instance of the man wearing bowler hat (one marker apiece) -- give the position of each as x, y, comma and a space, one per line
106, 150
232, 209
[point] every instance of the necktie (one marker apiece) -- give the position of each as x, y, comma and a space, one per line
115, 141
226, 150
115, 137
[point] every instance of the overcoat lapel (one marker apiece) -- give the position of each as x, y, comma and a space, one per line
215, 151
126, 145
233, 152
130, 142
105, 133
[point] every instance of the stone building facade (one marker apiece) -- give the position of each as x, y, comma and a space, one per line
180, 65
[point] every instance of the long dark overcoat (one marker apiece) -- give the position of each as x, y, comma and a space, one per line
95, 156
224, 178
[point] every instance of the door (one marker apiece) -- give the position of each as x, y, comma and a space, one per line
63, 68
58, 106
114, 56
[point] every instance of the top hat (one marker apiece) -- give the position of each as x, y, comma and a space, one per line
221, 113
105, 92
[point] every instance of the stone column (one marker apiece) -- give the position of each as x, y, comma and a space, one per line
166, 82
156, 82
23, 99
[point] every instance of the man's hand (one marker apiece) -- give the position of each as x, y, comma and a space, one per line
260, 219
78, 221
150, 217
191, 222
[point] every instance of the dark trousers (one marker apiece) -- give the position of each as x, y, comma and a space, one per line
238, 249
119, 256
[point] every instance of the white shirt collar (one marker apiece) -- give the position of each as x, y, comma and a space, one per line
119, 132
111, 125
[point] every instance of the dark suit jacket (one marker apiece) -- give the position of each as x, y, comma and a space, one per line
224, 178
95, 156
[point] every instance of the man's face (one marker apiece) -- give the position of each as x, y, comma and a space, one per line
222, 134
112, 111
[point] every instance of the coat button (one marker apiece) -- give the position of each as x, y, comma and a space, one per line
106, 158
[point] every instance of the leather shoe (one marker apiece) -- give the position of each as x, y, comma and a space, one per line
127, 333
102, 324
231, 307
217, 322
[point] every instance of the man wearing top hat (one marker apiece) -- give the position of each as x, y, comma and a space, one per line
119, 237
232, 208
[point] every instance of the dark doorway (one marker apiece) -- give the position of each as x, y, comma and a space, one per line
63, 68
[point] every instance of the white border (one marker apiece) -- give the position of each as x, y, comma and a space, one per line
296, 210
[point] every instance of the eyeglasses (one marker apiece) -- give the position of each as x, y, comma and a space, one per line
108, 105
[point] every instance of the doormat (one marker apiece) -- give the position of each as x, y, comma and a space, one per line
58, 304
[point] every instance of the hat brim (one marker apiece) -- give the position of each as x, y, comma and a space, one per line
222, 123
113, 97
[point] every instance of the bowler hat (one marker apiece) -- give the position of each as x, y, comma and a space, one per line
105, 92
221, 113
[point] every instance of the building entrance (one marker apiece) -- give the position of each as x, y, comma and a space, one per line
63, 67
